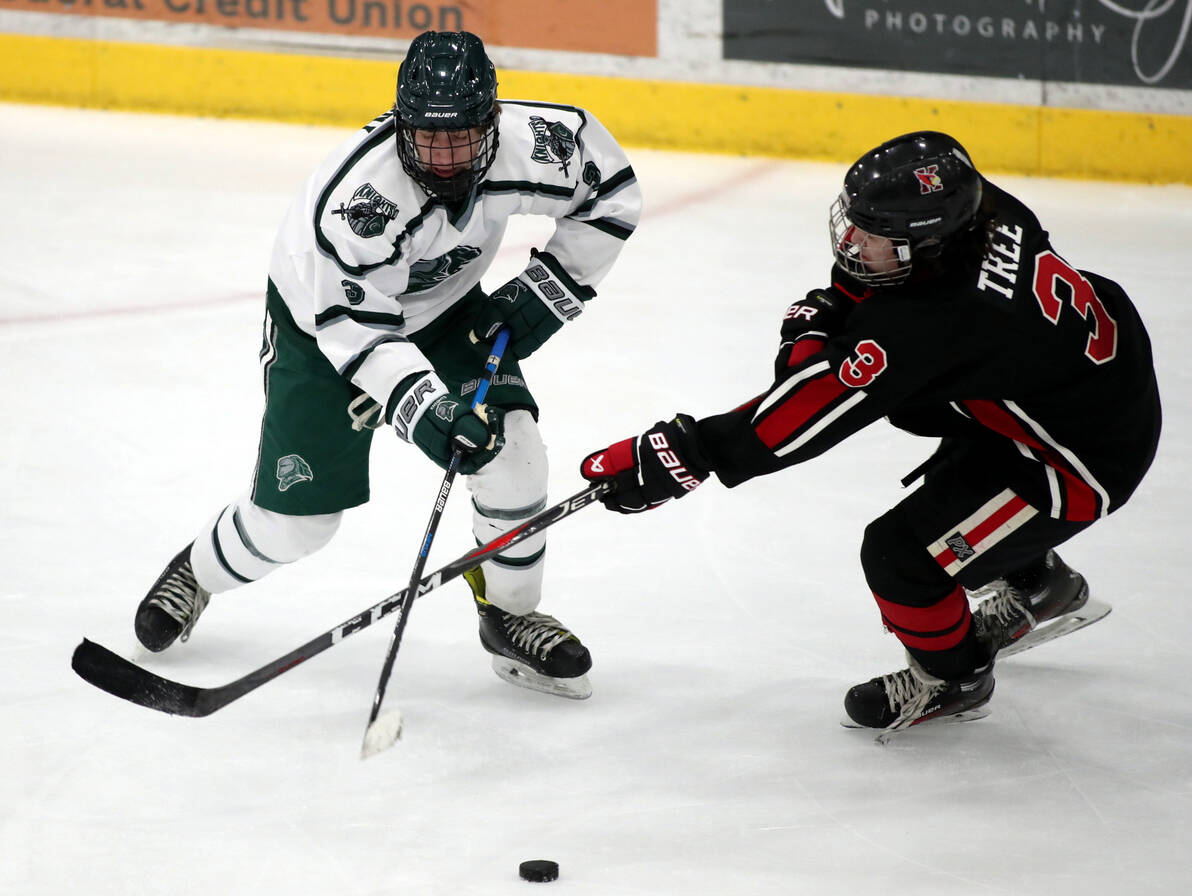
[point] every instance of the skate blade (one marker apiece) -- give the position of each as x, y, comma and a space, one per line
884, 735
1092, 611
524, 677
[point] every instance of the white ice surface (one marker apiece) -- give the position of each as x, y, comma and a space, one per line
725, 628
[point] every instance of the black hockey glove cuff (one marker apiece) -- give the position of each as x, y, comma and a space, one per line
808, 325
648, 470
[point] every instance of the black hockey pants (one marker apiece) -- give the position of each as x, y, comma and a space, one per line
964, 527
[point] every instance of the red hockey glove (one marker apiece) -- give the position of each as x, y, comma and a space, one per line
664, 462
808, 325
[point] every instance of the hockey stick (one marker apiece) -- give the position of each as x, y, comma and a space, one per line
383, 730
110, 672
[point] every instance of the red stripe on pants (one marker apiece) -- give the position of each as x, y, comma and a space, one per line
1082, 500
937, 627
991, 523
982, 529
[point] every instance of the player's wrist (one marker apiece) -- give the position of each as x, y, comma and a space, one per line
672, 449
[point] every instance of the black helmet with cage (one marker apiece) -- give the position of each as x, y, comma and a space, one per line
920, 192
446, 113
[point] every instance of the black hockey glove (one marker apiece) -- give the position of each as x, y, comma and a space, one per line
534, 305
664, 462
808, 325
449, 423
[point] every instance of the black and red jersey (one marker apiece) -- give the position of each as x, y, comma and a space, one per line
1023, 348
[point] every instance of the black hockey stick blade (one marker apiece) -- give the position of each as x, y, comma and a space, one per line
110, 672
116, 675
122, 678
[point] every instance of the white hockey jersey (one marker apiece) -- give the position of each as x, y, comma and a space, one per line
364, 258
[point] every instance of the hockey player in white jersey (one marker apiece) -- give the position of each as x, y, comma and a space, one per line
375, 317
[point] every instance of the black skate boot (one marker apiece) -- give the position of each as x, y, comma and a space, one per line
172, 606
1036, 604
533, 651
913, 696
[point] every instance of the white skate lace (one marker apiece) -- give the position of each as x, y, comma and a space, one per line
181, 598
535, 632
909, 695
1005, 606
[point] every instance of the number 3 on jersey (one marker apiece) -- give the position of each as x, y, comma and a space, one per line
1050, 272
863, 366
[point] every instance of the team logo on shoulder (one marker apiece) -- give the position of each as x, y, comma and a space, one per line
367, 212
354, 291
554, 142
291, 470
425, 274
929, 179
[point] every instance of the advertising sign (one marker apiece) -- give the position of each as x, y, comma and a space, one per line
622, 27
1135, 43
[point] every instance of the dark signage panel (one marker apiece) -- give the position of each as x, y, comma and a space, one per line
1136, 43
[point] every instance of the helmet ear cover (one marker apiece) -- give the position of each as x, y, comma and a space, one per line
447, 83
920, 189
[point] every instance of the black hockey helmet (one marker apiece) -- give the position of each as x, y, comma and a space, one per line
919, 191
448, 84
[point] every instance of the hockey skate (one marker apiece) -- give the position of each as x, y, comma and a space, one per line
913, 696
172, 607
1033, 606
532, 651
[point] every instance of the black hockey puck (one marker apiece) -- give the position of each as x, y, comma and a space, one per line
539, 870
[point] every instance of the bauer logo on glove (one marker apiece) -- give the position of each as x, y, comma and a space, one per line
534, 305
669, 459
648, 470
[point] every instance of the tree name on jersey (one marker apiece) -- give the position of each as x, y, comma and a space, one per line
554, 142
1001, 262
431, 271
367, 212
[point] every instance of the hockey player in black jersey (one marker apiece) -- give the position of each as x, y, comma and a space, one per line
950, 313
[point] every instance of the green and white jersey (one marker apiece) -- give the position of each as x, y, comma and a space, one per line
365, 258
